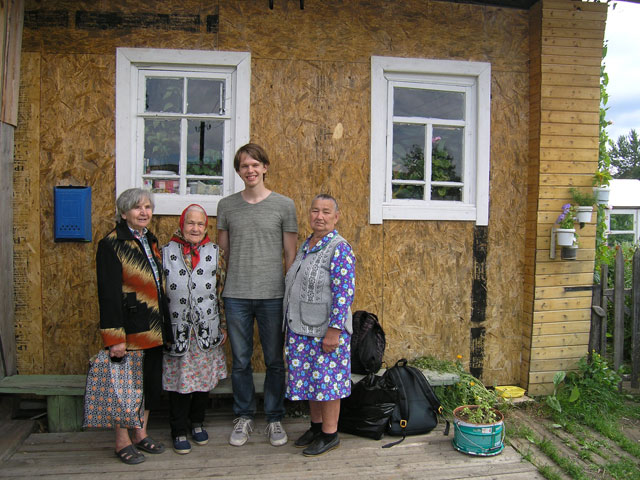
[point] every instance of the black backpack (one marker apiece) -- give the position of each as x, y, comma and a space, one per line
417, 405
367, 343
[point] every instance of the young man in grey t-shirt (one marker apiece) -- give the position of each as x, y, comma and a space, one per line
255, 227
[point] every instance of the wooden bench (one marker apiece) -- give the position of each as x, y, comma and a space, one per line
65, 393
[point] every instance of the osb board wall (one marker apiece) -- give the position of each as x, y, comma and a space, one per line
566, 147
310, 108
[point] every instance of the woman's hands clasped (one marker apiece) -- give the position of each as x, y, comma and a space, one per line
331, 340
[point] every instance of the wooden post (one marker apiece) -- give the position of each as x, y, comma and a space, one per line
598, 317
635, 330
618, 310
604, 282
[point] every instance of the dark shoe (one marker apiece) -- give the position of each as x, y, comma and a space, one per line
199, 435
181, 445
320, 446
130, 455
306, 438
150, 446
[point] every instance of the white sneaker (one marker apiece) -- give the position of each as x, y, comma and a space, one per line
277, 435
243, 427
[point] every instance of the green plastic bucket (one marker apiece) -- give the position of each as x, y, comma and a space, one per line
478, 439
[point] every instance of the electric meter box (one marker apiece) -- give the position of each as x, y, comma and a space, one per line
72, 214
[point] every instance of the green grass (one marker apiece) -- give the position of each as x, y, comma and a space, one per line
624, 470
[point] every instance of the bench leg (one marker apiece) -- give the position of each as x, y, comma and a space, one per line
65, 413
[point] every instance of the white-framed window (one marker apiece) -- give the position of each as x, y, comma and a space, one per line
430, 140
623, 226
180, 117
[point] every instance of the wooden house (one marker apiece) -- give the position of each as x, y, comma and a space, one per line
348, 97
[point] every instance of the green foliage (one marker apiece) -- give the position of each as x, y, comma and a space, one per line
625, 155
583, 199
568, 216
468, 391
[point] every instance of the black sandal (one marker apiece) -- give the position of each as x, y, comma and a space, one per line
130, 455
150, 446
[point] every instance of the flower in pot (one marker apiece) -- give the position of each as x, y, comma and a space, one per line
601, 188
565, 231
585, 202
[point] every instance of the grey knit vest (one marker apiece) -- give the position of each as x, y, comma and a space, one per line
193, 302
307, 297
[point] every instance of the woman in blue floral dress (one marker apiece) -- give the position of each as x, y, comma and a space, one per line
319, 291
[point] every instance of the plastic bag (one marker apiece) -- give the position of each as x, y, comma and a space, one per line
366, 412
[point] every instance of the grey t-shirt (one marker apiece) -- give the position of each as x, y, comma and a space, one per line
255, 269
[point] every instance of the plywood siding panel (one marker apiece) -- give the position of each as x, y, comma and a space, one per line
27, 280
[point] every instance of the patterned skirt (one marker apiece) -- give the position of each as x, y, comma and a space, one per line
195, 371
316, 375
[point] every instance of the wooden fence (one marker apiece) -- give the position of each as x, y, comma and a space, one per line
602, 295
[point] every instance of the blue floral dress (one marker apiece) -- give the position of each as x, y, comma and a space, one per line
312, 373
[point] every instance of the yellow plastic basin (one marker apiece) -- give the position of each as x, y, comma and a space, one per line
510, 391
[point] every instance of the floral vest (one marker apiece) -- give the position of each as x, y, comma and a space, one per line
193, 303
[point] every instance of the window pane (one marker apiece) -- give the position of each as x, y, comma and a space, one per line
413, 192
418, 102
408, 152
619, 238
164, 95
621, 221
205, 96
205, 143
161, 146
446, 154
162, 186
446, 193
204, 187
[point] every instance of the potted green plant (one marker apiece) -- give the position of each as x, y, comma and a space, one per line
565, 231
585, 203
601, 188
478, 429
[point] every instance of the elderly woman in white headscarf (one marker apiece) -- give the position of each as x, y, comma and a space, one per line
195, 272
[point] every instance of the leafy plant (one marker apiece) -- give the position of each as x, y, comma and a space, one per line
480, 414
468, 391
583, 199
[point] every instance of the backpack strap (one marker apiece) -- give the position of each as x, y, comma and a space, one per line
402, 401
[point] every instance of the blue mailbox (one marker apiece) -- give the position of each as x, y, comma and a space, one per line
72, 214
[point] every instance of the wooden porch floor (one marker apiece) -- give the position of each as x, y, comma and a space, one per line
89, 455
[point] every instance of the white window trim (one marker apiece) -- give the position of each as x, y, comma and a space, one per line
625, 211
128, 62
382, 69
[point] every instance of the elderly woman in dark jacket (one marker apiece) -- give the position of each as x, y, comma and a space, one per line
132, 307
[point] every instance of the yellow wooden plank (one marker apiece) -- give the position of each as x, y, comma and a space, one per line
569, 129
561, 328
547, 304
554, 365
572, 51
583, 118
583, 180
565, 31
536, 389
568, 24
560, 79
564, 267
570, 60
552, 68
570, 91
568, 167
571, 42
586, 251
543, 242
560, 292
572, 104
575, 5
567, 351
562, 316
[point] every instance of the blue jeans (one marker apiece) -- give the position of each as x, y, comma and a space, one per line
240, 313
